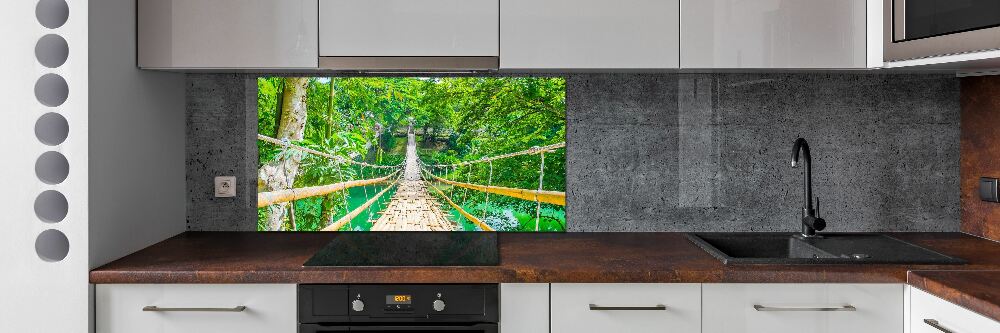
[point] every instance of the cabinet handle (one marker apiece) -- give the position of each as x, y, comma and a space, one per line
935, 324
595, 307
154, 308
759, 307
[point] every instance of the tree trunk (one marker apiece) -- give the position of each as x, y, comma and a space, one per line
329, 206
293, 115
280, 173
331, 110
277, 106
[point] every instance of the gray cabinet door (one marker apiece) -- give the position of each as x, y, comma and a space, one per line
221, 34
409, 28
589, 34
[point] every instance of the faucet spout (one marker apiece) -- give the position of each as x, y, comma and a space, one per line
810, 221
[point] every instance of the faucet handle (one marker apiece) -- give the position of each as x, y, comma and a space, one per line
817, 206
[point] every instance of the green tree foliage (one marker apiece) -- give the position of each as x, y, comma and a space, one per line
456, 119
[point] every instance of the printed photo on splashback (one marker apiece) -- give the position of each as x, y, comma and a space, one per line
411, 154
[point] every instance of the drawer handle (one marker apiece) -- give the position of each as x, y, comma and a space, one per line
595, 307
759, 307
935, 324
154, 308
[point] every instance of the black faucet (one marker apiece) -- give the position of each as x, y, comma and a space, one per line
811, 222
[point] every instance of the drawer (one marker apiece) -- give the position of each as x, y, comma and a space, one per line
269, 308
803, 308
634, 308
946, 315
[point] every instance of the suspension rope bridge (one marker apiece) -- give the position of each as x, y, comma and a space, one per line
413, 207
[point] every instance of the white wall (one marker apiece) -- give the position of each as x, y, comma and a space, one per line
134, 195
40, 295
137, 186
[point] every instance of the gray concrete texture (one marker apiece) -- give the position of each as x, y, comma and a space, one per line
221, 141
685, 152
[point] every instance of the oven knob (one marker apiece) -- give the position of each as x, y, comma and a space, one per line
438, 305
358, 305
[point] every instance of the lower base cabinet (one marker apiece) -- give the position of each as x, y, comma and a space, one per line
524, 308
802, 308
930, 314
195, 308
570, 308
634, 308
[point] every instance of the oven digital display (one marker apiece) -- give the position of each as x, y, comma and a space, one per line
398, 299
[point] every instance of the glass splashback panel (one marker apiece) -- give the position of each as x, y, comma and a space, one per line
411, 154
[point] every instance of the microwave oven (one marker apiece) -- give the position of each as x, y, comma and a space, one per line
915, 29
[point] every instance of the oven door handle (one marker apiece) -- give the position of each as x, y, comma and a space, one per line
484, 328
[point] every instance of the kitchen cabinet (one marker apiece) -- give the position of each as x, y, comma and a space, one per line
802, 308
221, 34
589, 34
524, 307
183, 308
930, 314
780, 34
409, 28
636, 308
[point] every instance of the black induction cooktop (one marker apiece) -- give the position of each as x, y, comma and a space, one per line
409, 248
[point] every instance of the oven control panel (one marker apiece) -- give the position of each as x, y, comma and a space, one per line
399, 303
363, 303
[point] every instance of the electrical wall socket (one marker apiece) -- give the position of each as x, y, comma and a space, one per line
988, 189
225, 187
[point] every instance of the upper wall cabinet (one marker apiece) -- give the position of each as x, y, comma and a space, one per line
221, 34
376, 34
780, 34
589, 34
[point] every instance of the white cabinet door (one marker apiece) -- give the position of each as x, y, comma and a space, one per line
775, 34
270, 308
634, 308
408, 28
930, 314
780, 308
227, 34
589, 34
524, 307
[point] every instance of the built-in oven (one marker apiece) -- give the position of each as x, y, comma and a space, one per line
916, 29
400, 308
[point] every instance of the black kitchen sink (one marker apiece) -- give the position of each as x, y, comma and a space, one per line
833, 248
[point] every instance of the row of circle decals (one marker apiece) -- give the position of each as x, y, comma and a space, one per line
51, 129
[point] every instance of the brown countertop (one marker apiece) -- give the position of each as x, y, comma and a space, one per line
257, 257
978, 291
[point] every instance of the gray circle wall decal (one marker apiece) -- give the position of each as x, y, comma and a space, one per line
52, 13
52, 167
51, 51
52, 245
51, 90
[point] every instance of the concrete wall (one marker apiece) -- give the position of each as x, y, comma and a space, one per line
685, 152
221, 132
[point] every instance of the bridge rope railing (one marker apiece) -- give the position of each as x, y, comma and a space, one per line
537, 195
549, 197
529, 151
265, 199
460, 210
347, 218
